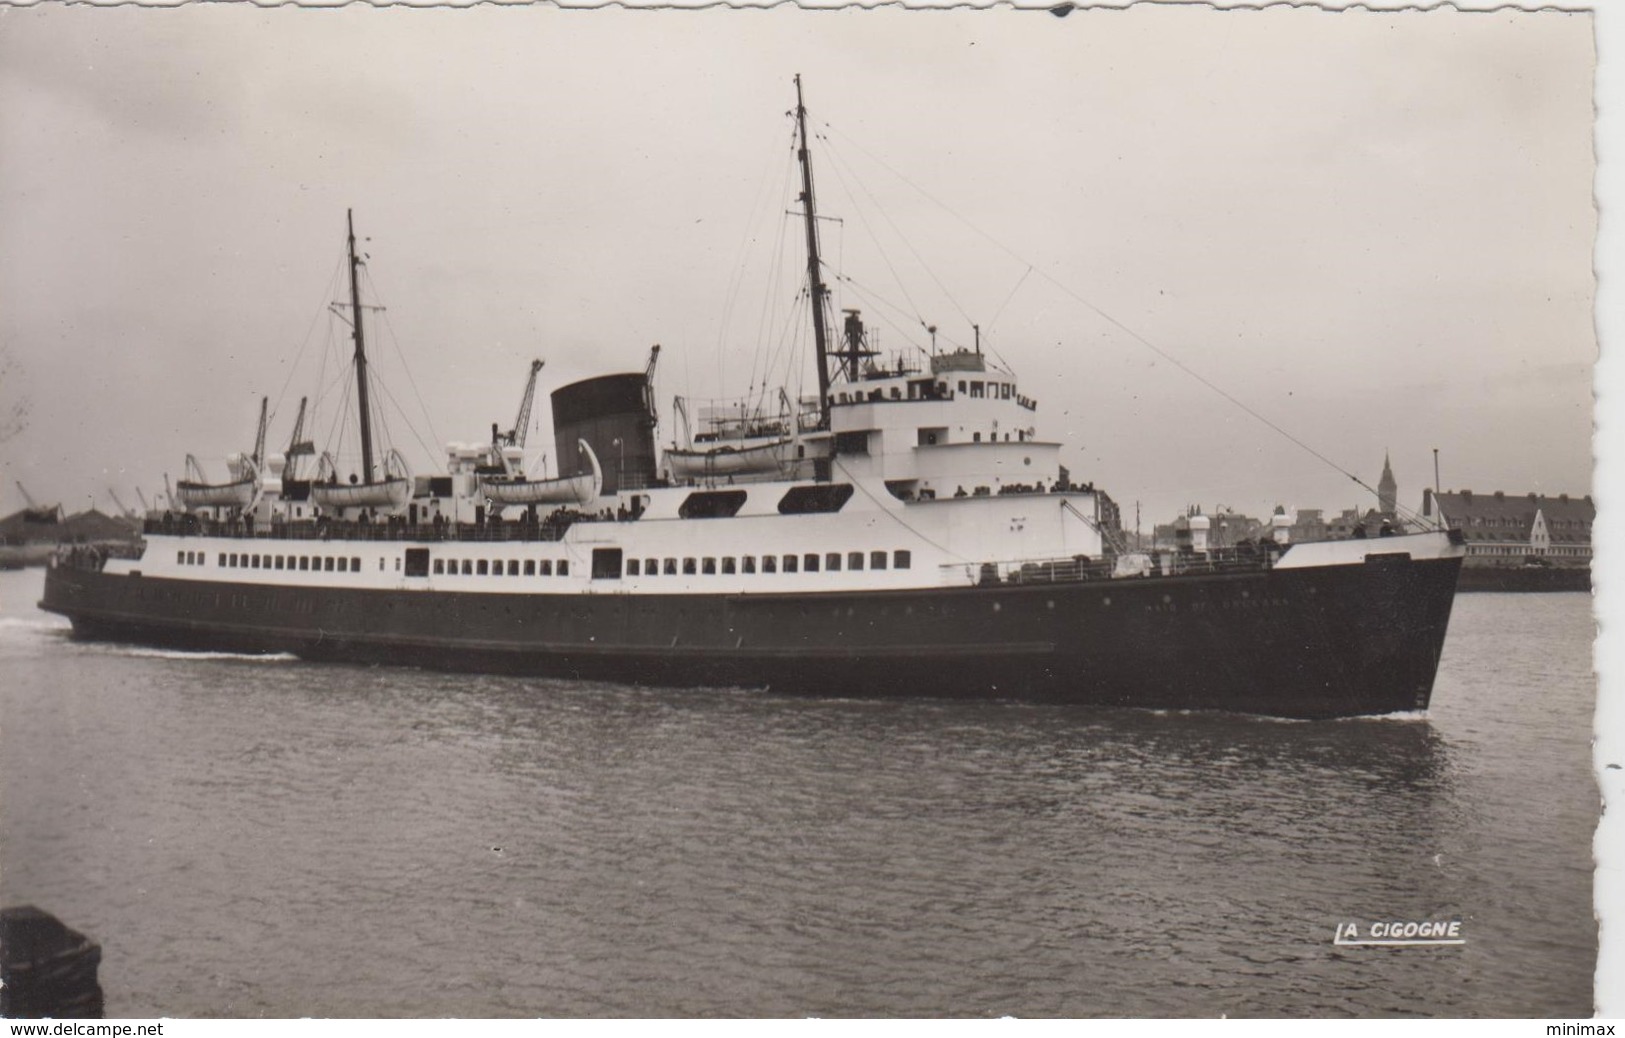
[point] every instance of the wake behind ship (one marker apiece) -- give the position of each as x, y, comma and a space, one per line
907, 532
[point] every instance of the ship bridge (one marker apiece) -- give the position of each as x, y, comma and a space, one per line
955, 430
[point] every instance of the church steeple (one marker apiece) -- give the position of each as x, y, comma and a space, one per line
1387, 488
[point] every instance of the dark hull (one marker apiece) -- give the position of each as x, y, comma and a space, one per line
1311, 643
1525, 578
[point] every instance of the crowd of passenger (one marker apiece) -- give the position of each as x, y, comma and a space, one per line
1059, 486
369, 525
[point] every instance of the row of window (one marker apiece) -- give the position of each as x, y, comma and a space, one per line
811, 562
1516, 522
500, 567
316, 563
977, 389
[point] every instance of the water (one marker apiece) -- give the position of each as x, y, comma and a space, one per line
273, 838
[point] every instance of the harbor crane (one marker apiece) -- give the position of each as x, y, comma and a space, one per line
515, 437
297, 447
259, 439
120, 504
33, 512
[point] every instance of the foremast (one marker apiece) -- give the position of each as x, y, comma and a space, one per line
360, 355
815, 280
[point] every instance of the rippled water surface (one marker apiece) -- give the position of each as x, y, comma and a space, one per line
269, 837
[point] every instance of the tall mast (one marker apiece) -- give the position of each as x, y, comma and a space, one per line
360, 354
814, 280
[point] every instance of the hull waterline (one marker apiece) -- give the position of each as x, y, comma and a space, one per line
1310, 643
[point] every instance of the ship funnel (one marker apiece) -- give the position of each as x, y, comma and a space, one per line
611, 413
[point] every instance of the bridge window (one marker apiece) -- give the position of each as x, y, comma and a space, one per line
854, 560
564, 567
790, 563
770, 563
877, 560
809, 562
852, 442
901, 558
632, 567
748, 564
708, 566
328, 564
530, 567
690, 567
832, 561
728, 564
513, 567
439, 567
670, 567
547, 567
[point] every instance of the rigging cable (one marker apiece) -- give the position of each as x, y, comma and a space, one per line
839, 160
1136, 336
327, 293
864, 220
898, 519
395, 342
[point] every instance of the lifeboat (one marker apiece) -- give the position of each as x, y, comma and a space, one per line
561, 490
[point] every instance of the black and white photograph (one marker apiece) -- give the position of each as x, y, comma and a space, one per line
1071, 511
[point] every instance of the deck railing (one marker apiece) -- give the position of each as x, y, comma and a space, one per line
1081, 567
551, 529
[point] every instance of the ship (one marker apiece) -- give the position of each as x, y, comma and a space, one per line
906, 533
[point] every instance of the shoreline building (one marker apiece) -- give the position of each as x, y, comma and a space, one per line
1529, 543
1510, 531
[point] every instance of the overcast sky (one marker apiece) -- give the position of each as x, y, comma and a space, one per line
1373, 229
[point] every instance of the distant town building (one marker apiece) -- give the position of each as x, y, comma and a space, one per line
1312, 525
1509, 530
1388, 491
1226, 529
